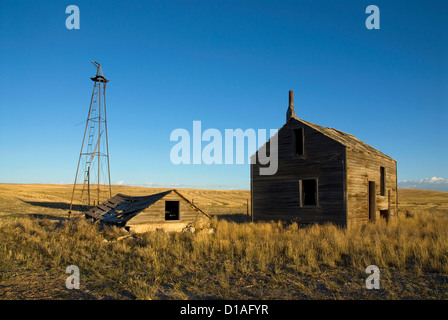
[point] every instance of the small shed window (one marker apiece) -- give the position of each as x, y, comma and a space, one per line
308, 192
299, 141
382, 181
171, 210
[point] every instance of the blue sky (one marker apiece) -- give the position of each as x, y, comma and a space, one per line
229, 64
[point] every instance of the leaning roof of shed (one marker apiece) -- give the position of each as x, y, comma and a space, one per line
121, 208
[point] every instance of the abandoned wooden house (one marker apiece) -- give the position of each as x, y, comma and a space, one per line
324, 175
168, 211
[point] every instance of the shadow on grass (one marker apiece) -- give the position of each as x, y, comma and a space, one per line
38, 216
57, 205
43, 216
244, 218
76, 208
234, 217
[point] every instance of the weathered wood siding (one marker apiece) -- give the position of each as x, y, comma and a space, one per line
362, 168
276, 197
153, 217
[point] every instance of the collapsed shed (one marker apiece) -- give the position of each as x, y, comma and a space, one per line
168, 210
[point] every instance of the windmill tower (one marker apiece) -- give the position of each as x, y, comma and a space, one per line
92, 179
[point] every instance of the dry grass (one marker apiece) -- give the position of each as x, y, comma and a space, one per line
237, 261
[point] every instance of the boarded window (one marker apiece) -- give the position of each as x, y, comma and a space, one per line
299, 141
171, 210
382, 181
308, 192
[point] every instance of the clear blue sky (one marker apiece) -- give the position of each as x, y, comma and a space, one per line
229, 64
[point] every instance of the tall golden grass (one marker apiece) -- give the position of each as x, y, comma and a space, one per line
223, 259
143, 263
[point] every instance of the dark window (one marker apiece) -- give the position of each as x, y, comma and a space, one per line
298, 138
171, 210
309, 192
382, 181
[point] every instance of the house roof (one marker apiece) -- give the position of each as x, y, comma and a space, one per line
121, 208
346, 139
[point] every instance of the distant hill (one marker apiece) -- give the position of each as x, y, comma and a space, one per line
423, 200
53, 199
434, 183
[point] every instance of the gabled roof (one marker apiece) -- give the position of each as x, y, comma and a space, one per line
346, 139
121, 208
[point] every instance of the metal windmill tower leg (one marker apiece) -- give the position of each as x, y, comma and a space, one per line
94, 149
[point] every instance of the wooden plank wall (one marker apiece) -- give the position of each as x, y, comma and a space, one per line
276, 197
362, 168
154, 216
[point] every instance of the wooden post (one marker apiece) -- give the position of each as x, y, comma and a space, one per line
396, 189
251, 212
372, 201
252, 192
99, 139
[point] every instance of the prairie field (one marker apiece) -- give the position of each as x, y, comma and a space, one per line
230, 258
